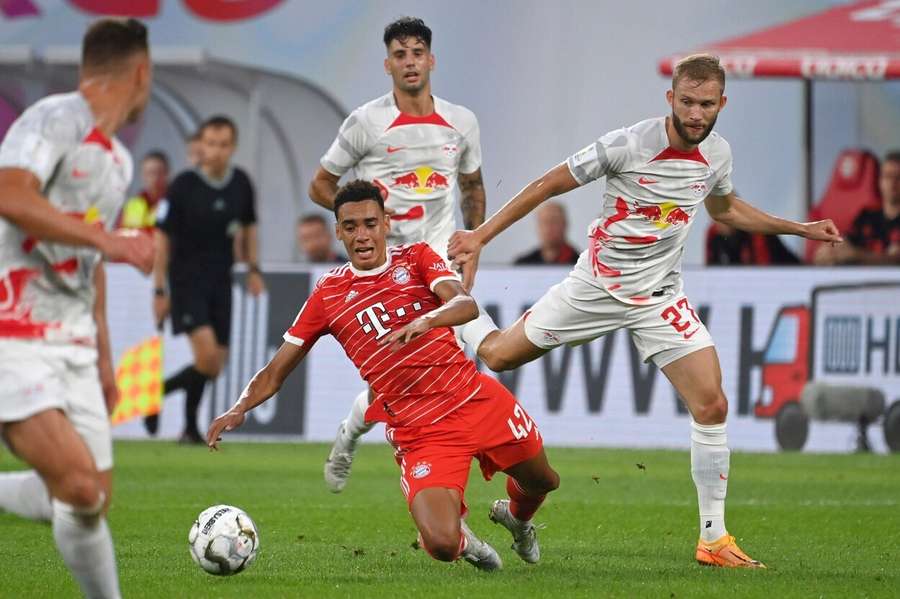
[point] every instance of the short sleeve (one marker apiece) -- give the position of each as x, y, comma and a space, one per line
723, 185
168, 211
432, 267
37, 141
609, 154
471, 158
350, 145
310, 323
247, 214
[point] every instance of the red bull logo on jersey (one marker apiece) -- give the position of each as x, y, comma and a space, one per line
422, 180
663, 215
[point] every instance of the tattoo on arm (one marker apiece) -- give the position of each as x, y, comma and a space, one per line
472, 199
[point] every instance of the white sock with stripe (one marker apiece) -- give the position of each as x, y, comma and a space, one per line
355, 425
710, 460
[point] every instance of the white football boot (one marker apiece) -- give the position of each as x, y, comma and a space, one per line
339, 462
478, 553
524, 536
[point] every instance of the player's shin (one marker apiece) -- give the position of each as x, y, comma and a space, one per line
355, 425
474, 331
522, 504
84, 541
710, 459
25, 495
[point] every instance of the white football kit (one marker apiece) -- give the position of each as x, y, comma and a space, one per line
415, 161
48, 356
630, 274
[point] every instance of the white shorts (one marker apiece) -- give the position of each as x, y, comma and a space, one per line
36, 376
574, 312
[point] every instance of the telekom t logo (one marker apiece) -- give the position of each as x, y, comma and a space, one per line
372, 317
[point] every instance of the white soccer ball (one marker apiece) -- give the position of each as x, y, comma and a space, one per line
223, 540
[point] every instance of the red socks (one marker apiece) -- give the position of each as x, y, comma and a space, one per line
522, 505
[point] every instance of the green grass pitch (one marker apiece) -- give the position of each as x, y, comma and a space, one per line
827, 526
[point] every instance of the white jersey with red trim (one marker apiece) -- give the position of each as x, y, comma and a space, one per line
47, 289
652, 194
414, 160
424, 380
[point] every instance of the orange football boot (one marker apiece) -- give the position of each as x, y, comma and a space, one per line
725, 553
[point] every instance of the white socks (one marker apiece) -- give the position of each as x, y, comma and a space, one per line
710, 458
25, 495
474, 331
82, 537
355, 425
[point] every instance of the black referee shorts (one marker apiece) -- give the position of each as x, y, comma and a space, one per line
201, 300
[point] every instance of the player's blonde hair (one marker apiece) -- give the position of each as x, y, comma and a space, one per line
699, 67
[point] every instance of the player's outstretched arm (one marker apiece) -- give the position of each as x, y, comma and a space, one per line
261, 387
558, 180
458, 308
22, 204
731, 210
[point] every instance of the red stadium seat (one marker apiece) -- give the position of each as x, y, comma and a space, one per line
853, 186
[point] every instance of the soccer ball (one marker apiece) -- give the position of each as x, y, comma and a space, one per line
223, 540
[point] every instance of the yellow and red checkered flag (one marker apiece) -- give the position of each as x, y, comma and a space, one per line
139, 379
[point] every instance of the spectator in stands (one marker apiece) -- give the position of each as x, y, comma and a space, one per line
726, 246
874, 236
193, 148
139, 212
315, 240
551, 228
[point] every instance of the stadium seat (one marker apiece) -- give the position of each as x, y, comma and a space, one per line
853, 186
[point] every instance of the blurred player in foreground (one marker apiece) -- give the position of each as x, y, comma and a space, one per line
391, 308
63, 178
417, 148
658, 172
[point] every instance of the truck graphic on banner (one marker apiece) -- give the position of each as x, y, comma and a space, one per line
836, 359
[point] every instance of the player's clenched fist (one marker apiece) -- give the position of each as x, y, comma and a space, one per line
131, 247
822, 230
463, 246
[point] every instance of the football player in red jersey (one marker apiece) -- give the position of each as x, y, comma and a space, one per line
391, 309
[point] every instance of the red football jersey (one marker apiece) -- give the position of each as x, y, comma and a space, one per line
423, 381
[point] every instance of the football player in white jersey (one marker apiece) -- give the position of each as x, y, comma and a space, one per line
418, 149
63, 178
658, 173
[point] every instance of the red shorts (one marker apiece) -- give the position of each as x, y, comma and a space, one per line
491, 426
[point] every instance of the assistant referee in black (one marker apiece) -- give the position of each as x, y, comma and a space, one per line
206, 223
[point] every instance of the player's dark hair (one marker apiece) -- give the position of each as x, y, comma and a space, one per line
357, 191
312, 218
157, 155
405, 27
109, 42
217, 121
892, 156
699, 67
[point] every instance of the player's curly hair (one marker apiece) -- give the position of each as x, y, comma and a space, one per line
405, 27
699, 67
357, 191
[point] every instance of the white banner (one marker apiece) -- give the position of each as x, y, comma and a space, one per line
598, 394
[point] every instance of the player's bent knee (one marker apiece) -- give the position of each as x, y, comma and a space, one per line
444, 548
712, 411
542, 484
80, 489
